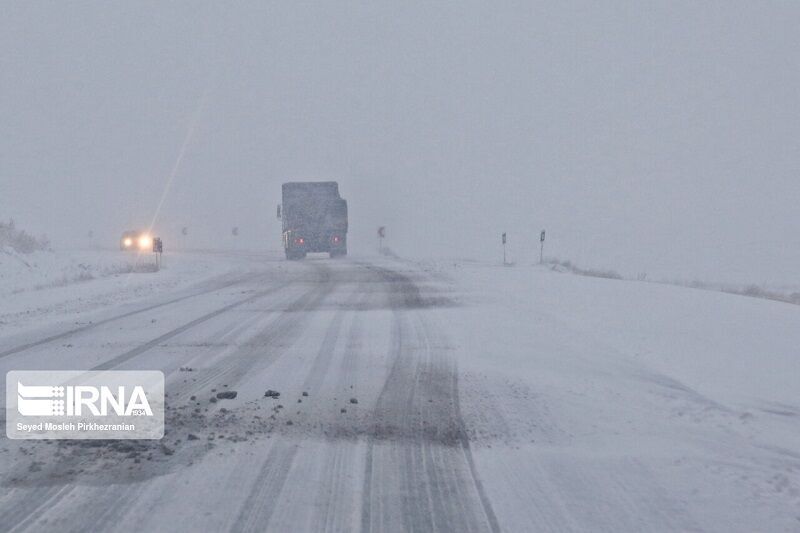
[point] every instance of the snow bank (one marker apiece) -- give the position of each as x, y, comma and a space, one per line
43, 269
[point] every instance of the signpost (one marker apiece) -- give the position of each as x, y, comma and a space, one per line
381, 235
541, 247
504, 248
158, 249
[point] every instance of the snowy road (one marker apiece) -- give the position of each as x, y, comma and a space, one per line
412, 398
397, 459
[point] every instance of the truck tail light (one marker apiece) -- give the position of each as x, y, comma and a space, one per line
336, 239
299, 240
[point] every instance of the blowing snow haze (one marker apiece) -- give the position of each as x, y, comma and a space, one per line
644, 137
297, 370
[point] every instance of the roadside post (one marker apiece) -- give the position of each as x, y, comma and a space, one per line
158, 249
381, 235
541, 248
504, 248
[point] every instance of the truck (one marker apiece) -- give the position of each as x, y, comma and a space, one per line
314, 219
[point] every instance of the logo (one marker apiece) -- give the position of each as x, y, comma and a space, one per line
41, 401
85, 405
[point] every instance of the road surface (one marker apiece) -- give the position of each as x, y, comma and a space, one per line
367, 432
420, 397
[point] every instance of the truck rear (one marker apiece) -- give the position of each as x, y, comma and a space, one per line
314, 219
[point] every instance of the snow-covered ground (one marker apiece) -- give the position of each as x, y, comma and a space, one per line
47, 269
38, 287
647, 406
786, 291
439, 395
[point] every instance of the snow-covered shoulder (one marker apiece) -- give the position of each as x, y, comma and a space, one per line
44, 286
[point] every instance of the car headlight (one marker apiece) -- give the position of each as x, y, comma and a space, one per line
127, 242
145, 242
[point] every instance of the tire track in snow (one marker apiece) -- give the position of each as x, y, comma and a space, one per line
418, 468
21, 512
260, 504
268, 345
258, 508
278, 335
130, 354
262, 350
335, 492
419, 472
69, 333
24, 509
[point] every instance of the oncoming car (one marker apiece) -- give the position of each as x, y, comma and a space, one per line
136, 241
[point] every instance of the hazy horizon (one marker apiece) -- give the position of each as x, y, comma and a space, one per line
660, 138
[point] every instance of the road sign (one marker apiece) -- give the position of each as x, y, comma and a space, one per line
504, 238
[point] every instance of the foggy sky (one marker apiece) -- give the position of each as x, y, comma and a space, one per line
659, 137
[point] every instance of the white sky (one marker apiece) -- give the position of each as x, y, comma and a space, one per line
659, 137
